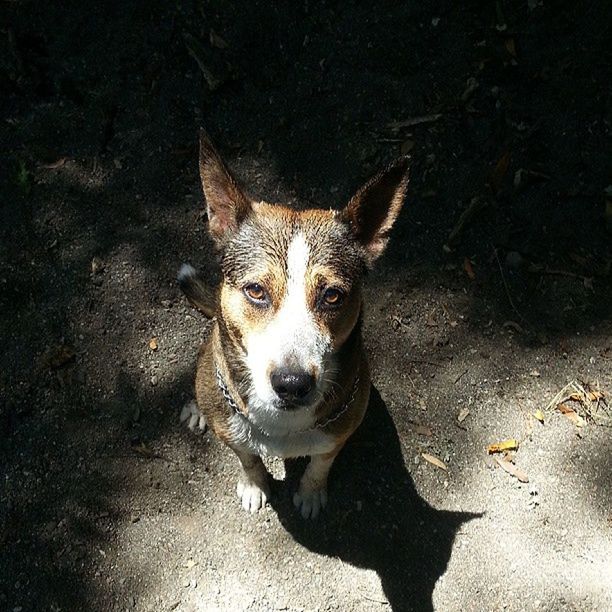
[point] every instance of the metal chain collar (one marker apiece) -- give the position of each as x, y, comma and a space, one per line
231, 402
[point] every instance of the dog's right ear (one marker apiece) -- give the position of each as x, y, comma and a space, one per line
226, 204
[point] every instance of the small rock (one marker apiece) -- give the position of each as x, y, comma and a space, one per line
514, 260
154, 380
97, 266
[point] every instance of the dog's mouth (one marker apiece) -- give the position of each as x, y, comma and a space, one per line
295, 404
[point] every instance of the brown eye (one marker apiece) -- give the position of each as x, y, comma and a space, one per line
256, 294
332, 297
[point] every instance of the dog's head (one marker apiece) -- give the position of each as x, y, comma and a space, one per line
291, 294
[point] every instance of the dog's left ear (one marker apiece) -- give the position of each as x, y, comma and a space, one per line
227, 205
374, 208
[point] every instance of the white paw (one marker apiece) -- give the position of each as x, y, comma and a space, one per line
192, 417
251, 496
310, 503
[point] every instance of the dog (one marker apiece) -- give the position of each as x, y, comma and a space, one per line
283, 372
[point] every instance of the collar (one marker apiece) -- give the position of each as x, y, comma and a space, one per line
231, 402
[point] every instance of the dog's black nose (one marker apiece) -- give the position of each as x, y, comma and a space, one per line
291, 385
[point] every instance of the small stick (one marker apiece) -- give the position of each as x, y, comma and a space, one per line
460, 376
582, 277
433, 363
501, 271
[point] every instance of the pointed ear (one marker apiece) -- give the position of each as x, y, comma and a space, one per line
226, 204
374, 208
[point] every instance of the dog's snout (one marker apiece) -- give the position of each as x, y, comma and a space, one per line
291, 384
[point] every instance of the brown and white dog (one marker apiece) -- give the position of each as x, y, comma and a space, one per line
283, 372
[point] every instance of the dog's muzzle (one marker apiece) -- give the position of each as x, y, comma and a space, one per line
292, 386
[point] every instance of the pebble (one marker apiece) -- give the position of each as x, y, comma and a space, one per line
514, 260
97, 265
154, 380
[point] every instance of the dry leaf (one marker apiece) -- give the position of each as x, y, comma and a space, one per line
56, 164
463, 414
595, 395
505, 445
434, 461
142, 449
407, 146
396, 125
510, 46
153, 344
217, 41
512, 469
571, 414
496, 177
59, 356
539, 415
513, 325
476, 205
197, 51
471, 86
97, 266
431, 320
469, 270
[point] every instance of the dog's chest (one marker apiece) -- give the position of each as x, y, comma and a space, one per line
275, 440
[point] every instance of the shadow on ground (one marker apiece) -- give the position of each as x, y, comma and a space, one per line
376, 519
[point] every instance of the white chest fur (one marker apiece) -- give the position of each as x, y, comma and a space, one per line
276, 439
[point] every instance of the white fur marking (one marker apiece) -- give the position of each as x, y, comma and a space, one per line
185, 272
292, 338
251, 438
191, 415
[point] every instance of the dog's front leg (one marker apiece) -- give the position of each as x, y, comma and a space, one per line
312, 493
253, 488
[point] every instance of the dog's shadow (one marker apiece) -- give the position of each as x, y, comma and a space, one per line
375, 518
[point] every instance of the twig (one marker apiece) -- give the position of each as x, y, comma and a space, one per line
575, 390
476, 204
501, 271
396, 125
461, 376
380, 601
196, 50
582, 277
433, 363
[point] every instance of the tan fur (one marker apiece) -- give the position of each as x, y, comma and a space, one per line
254, 239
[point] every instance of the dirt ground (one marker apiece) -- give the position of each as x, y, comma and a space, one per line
494, 295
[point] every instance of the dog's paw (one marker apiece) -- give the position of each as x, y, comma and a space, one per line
192, 417
310, 503
252, 497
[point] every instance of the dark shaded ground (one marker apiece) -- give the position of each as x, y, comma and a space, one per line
104, 502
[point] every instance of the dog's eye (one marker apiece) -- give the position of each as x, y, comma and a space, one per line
256, 293
332, 297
